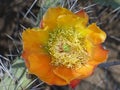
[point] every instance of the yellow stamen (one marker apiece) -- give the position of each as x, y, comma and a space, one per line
67, 47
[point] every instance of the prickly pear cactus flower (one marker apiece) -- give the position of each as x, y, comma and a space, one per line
64, 48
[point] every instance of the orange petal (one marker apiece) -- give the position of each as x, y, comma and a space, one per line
99, 55
66, 73
41, 67
62, 16
50, 17
85, 71
34, 39
96, 35
82, 14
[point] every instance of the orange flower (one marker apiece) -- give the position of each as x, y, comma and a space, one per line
64, 49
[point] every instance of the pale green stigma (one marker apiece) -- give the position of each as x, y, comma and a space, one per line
67, 47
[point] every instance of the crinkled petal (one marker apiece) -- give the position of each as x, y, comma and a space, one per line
85, 71
99, 55
35, 56
96, 35
67, 74
50, 17
61, 16
83, 15
34, 39
41, 67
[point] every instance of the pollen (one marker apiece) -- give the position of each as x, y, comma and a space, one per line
67, 47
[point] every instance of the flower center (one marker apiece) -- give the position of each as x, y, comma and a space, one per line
67, 47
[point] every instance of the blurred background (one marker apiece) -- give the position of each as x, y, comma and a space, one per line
17, 15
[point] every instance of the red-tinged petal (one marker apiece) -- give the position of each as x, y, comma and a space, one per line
25, 57
41, 67
99, 55
82, 14
74, 83
41, 24
96, 35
